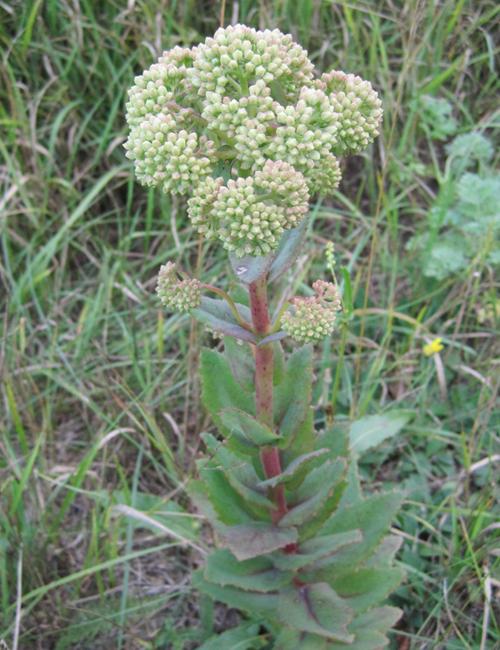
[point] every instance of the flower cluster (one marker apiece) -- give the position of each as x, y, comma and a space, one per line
247, 98
177, 295
313, 318
249, 214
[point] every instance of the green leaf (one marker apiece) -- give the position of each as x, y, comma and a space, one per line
369, 629
243, 637
257, 574
384, 553
336, 439
199, 494
374, 429
247, 428
234, 597
315, 608
288, 250
251, 540
365, 588
273, 338
231, 507
297, 640
220, 388
292, 398
248, 269
308, 499
348, 305
279, 363
299, 463
218, 316
315, 549
238, 471
372, 516
242, 363
303, 444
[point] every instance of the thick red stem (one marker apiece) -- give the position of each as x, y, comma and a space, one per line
264, 392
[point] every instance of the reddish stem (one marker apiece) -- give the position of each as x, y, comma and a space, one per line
264, 392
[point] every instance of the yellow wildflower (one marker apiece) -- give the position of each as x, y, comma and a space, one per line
433, 348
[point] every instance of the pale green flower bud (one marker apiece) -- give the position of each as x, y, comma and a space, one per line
201, 204
177, 295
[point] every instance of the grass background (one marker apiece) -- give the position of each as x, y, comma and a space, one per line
100, 404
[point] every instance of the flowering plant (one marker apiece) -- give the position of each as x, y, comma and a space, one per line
242, 121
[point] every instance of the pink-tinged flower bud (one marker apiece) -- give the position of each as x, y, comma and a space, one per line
313, 318
175, 294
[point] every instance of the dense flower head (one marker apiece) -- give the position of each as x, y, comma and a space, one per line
175, 294
249, 214
165, 82
165, 156
313, 318
246, 98
358, 107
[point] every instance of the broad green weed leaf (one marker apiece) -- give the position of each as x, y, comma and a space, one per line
297, 640
371, 430
248, 269
384, 553
302, 462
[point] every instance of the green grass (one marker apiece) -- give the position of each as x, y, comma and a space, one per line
100, 398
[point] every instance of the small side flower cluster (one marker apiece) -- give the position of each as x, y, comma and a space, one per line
177, 295
313, 318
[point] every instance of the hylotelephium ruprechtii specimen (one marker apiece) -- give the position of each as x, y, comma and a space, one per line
242, 123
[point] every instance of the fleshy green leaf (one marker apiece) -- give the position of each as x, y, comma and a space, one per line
243, 637
257, 574
292, 468
315, 608
242, 363
365, 588
292, 398
336, 439
279, 363
370, 628
373, 516
374, 429
247, 428
231, 507
220, 388
297, 640
234, 597
272, 338
248, 269
315, 549
239, 472
251, 540
384, 553
307, 500
303, 444
288, 250
218, 316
